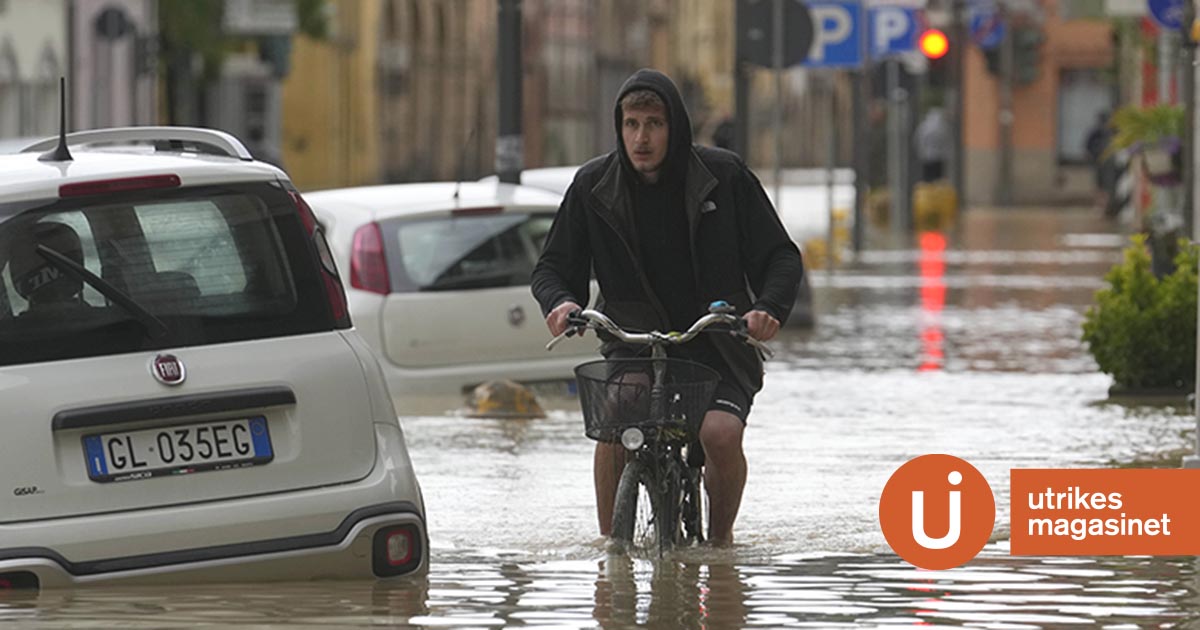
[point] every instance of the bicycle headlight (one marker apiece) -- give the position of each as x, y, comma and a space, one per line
633, 438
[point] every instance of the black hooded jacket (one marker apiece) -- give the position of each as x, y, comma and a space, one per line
739, 250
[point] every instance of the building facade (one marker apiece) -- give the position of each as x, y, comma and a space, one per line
33, 55
405, 90
113, 64
1051, 115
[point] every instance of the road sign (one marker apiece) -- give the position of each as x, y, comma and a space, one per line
987, 29
892, 30
837, 32
1167, 13
755, 29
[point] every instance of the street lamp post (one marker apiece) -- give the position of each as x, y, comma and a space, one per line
510, 148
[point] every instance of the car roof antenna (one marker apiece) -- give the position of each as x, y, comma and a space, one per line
60, 152
462, 161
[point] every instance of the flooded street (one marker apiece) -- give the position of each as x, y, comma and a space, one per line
967, 345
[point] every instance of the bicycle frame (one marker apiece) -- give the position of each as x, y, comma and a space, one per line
658, 463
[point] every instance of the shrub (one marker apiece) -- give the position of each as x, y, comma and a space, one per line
1137, 127
1142, 330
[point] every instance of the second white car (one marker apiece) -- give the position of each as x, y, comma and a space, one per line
437, 276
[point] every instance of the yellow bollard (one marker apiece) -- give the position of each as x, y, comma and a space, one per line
934, 206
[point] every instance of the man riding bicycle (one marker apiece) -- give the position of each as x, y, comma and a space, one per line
668, 228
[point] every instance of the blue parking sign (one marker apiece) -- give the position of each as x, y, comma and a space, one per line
892, 30
837, 34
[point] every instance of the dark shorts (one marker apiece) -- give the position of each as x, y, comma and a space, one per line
728, 396
731, 398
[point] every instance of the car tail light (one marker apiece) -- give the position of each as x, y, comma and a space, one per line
368, 263
399, 546
396, 550
333, 285
125, 184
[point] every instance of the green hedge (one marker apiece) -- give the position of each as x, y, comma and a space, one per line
1142, 330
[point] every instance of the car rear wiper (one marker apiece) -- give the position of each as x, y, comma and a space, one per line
153, 325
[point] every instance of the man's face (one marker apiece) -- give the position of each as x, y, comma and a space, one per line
645, 134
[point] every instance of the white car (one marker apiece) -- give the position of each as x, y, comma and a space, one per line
437, 275
182, 396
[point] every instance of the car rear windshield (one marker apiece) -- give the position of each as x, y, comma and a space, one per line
472, 251
198, 265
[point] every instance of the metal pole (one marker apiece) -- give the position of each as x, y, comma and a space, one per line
1164, 66
1189, 166
861, 132
863, 135
956, 105
777, 62
1187, 57
830, 164
741, 128
741, 88
896, 148
1005, 181
510, 149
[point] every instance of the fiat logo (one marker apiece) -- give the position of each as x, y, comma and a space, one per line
168, 369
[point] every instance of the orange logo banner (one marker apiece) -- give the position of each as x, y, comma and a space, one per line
1104, 512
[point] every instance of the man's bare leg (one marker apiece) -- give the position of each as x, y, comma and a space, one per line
607, 465
724, 472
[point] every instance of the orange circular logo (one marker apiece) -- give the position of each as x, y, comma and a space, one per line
937, 511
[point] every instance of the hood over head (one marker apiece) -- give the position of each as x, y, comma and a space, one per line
678, 122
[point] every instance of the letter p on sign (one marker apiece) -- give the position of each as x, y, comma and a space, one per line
890, 24
833, 26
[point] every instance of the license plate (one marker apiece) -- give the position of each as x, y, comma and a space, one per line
178, 450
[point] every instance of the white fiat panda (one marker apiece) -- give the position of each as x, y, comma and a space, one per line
182, 395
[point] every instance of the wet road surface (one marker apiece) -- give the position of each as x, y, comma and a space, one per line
967, 345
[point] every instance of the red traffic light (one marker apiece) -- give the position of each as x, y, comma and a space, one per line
933, 44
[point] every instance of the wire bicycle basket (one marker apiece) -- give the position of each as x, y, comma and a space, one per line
616, 394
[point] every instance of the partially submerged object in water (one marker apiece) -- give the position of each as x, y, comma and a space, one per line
504, 399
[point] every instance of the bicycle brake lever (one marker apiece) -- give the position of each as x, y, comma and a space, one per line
742, 329
761, 347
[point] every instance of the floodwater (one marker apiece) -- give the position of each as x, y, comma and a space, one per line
967, 345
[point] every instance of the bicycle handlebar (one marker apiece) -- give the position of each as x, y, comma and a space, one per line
596, 320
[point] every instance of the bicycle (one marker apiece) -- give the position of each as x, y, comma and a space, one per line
653, 407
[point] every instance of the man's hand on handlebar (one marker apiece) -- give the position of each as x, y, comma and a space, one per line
556, 321
760, 325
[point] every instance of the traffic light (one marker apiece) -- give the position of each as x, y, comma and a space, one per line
1027, 55
934, 44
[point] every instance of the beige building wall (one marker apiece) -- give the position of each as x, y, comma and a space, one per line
1038, 177
702, 32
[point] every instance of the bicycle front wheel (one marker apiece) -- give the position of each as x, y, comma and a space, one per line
648, 507
632, 505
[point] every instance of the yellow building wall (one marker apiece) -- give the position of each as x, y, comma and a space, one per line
330, 102
704, 40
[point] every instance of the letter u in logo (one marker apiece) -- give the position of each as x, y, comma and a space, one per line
918, 517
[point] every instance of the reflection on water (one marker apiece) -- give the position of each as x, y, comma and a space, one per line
967, 344
613, 591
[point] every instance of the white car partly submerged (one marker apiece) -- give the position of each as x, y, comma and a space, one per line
437, 275
182, 395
